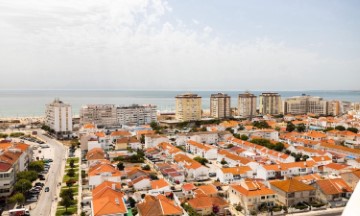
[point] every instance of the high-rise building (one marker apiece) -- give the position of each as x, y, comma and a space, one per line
220, 105
59, 117
305, 104
136, 114
246, 104
334, 108
270, 103
99, 114
188, 107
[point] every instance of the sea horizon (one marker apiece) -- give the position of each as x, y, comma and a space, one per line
27, 103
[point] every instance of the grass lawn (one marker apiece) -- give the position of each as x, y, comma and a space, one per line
68, 167
61, 211
76, 160
67, 178
74, 188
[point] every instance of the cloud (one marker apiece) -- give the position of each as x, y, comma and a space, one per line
129, 44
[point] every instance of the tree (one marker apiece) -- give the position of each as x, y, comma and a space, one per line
146, 167
241, 127
290, 127
17, 198
67, 193
340, 128
72, 163
142, 139
301, 127
261, 124
223, 162
279, 147
70, 182
328, 129
203, 129
120, 166
37, 166
22, 185
244, 137
132, 202
201, 160
352, 129
29, 175
71, 172
154, 125
230, 146
67, 202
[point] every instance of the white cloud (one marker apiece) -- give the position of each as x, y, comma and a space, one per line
127, 44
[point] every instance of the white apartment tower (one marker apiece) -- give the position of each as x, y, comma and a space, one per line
188, 107
305, 104
136, 114
220, 105
59, 117
270, 103
246, 104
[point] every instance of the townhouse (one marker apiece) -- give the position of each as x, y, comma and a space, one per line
277, 171
154, 140
291, 192
203, 150
206, 205
320, 160
159, 186
94, 155
141, 183
334, 191
103, 172
158, 205
200, 137
127, 142
234, 174
351, 178
193, 169
336, 168
233, 160
250, 195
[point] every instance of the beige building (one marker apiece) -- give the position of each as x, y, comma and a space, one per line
220, 105
188, 107
247, 104
99, 114
270, 103
334, 108
305, 104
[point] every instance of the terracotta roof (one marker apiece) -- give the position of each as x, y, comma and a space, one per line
204, 147
158, 205
95, 154
321, 158
291, 185
127, 140
139, 179
203, 202
158, 184
100, 134
188, 187
89, 126
285, 166
4, 167
236, 170
120, 133
307, 179
110, 202
241, 160
103, 168
253, 188
333, 186
337, 166
99, 190
208, 189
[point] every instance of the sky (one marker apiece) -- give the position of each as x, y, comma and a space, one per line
180, 44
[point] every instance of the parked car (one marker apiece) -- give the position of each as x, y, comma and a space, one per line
39, 184
47, 189
41, 177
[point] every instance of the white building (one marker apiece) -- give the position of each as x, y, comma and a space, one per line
59, 117
136, 114
99, 114
154, 140
202, 150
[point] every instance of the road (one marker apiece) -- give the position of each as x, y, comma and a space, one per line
46, 202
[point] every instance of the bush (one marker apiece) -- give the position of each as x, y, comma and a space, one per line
239, 208
201, 160
71, 172
301, 206
17, 134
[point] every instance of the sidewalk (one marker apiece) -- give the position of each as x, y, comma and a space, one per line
329, 211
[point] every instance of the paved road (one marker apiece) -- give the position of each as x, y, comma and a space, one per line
46, 201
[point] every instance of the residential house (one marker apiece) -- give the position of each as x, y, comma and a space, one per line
154, 140
278, 171
234, 174
336, 168
291, 191
320, 160
103, 172
95, 154
127, 142
333, 191
158, 205
206, 205
203, 150
250, 195
159, 186
351, 178
141, 183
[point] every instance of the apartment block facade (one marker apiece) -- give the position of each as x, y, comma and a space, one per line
246, 104
99, 114
188, 107
305, 104
270, 103
59, 117
220, 105
136, 114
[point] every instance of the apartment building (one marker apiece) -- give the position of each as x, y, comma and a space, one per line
58, 116
246, 104
99, 114
334, 108
136, 114
306, 104
270, 103
188, 107
220, 105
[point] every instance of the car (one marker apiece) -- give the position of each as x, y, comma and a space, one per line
39, 184
50, 160
45, 146
47, 189
38, 187
41, 177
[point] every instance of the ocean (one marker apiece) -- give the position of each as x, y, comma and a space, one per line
28, 103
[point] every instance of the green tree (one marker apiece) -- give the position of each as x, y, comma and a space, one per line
67, 202
72, 163
328, 129
3, 135
29, 175
142, 139
154, 125
279, 147
120, 166
67, 193
241, 127
22, 185
71, 172
132, 202
340, 128
261, 124
201, 160
290, 127
244, 137
223, 162
146, 167
37, 166
353, 129
17, 198
301, 127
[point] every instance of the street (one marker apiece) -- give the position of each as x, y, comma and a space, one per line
46, 204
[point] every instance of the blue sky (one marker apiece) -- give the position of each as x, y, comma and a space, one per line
180, 44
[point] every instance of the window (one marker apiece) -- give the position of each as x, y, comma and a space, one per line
262, 197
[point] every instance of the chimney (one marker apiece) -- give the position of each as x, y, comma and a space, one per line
113, 186
117, 201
